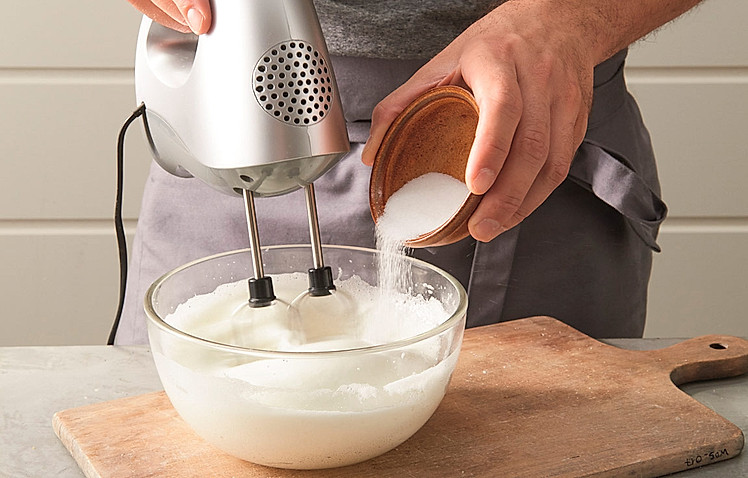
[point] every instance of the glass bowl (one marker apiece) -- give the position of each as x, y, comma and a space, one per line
319, 407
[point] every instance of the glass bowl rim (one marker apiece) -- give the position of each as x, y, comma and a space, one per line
154, 318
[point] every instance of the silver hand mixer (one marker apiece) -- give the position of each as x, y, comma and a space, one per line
250, 108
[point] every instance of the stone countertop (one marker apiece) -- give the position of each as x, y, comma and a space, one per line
37, 382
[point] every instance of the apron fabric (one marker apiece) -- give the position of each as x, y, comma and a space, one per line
584, 256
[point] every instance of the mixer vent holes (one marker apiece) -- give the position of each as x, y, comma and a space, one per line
292, 83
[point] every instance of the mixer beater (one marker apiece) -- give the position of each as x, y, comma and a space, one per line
260, 286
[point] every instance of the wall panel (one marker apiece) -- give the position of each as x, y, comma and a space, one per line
58, 147
69, 34
699, 283
59, 286
698, 129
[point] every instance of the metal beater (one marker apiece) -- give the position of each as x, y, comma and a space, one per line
250, 108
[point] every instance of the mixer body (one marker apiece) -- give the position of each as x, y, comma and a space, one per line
250, 105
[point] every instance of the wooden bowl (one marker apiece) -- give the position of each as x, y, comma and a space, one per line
433, 134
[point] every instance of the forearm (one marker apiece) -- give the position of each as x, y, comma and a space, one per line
623, 22
604, 27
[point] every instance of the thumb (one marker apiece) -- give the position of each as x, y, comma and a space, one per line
196, 13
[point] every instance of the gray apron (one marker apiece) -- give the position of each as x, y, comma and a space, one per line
584, 256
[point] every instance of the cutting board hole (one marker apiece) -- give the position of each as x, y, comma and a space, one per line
718, 346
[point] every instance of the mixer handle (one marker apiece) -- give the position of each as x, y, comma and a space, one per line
171, 53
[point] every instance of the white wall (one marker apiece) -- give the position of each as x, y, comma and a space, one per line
691, 80
66, 87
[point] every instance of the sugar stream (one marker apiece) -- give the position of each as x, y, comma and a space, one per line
420, 206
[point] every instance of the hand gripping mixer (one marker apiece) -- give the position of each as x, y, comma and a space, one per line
250, 108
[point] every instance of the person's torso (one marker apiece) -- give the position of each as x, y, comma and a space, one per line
396, 29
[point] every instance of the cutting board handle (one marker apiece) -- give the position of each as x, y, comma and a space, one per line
704, 358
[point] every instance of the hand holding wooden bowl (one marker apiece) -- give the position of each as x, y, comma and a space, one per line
433, 134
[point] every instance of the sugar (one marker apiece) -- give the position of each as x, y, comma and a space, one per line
420, 206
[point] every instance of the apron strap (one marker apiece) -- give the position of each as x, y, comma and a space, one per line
604, 173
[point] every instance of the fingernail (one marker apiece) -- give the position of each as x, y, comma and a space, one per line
195, 20
488, 228
483, 181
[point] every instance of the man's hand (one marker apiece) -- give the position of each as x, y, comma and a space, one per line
529, 64
533, 86
181, 15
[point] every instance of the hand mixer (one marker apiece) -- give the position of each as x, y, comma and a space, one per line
250, 108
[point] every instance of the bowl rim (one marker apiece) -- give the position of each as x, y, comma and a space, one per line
154, 318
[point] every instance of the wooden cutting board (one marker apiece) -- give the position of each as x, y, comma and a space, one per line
529, 398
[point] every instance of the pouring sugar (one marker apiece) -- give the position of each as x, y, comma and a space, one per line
421, 205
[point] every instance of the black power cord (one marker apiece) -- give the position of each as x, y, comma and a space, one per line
119, 225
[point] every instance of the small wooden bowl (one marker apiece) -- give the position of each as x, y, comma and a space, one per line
433, 134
